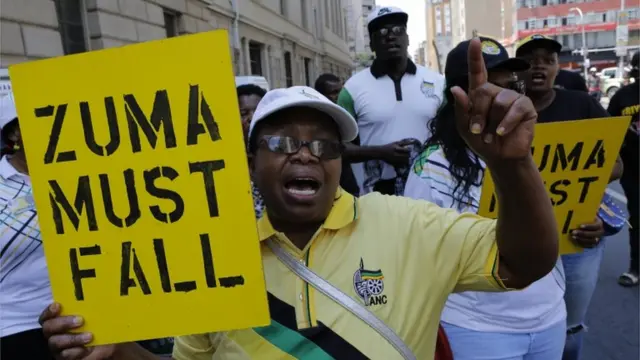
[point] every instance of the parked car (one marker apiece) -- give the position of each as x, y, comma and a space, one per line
612, 80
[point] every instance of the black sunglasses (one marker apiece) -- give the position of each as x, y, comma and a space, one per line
396, 30
322, 149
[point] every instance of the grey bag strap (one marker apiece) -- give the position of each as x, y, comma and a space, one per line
341, 298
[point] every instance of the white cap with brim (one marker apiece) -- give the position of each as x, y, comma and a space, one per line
306, 97
380, 12
7, 110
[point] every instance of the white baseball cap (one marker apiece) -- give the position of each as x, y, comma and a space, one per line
381, 12
7, 110
304, 96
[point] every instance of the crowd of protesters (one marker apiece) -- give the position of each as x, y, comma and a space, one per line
455, 285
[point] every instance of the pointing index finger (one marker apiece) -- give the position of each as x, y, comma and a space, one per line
477, 68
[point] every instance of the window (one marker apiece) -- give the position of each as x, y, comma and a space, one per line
171, 23
303, 13
70, 21
283, 7
522, 25
611, 16
255, 57
307, 71
288, 73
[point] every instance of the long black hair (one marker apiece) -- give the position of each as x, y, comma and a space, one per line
464, 165
8, 144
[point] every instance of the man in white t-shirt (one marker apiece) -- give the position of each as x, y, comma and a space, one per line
392, 101
24, 280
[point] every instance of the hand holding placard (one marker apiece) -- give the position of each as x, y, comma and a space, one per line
575, 159
127, 165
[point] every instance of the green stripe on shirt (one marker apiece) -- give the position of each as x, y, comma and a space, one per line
346, 102
292, 342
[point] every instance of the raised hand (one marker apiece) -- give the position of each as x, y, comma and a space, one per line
496, 123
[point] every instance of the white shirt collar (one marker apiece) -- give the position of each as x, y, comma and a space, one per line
7, 170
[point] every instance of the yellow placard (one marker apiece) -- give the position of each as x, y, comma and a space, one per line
142, 188
575, 159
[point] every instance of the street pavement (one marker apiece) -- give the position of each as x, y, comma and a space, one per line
614, 316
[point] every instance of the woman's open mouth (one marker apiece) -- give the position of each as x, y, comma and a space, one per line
302, 187
538, 78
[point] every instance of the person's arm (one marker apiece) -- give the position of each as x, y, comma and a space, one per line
526, 234
618, 168
354, 153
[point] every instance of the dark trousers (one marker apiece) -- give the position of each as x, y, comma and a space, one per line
387, 187
348, 180
29, 345
630, 182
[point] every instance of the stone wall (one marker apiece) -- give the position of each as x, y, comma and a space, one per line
29, 30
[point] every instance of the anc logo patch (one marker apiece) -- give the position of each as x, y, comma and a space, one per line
490, 48
369, 285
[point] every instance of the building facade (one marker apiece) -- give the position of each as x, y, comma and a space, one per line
449, 22
359, 41
367, 7
420, 57
287, 42
561, 20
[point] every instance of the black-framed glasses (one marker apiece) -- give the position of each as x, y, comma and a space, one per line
396, 30
322, 149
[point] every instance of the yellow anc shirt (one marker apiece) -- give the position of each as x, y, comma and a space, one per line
398, 256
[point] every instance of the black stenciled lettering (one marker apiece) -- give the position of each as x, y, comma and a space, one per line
596, 157
185, 286
378, 300
207, 257
132, 197
558, 189
545, 156
78, 274
56, 130
112, 122
231, 281
207, 168
562, 160
160, 117
567, 222
126, 282
586, 182
150, 177
163, 267
83, 199
198, 107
